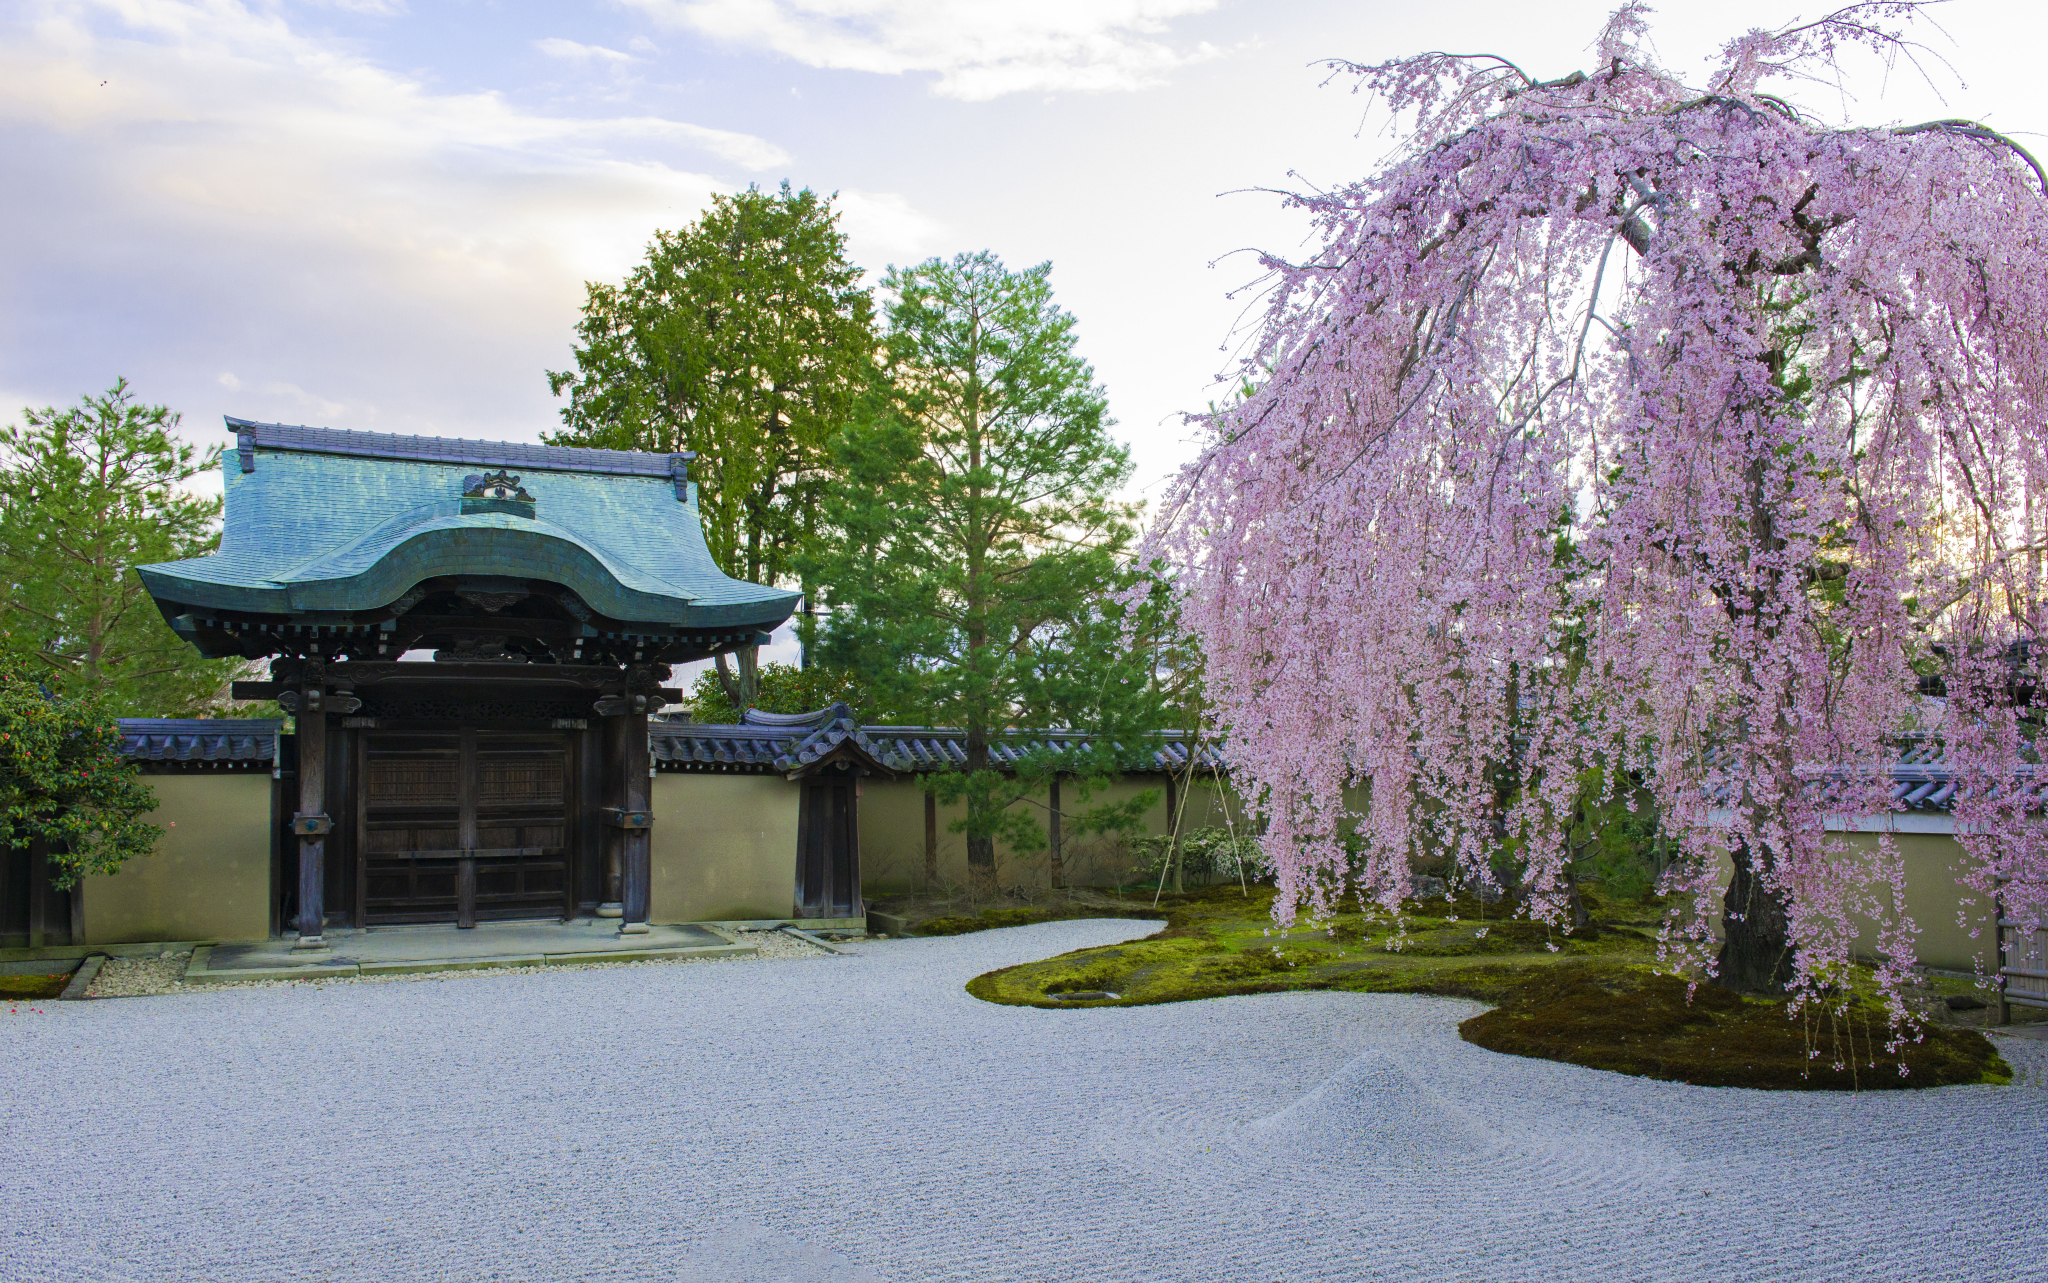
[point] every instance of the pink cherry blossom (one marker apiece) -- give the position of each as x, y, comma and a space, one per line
1657, 430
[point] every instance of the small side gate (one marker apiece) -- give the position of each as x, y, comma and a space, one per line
2022, 963
828, 849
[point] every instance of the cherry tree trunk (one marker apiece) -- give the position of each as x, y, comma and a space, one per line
1756, 948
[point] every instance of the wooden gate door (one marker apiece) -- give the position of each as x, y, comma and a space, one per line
473, 826
828, 850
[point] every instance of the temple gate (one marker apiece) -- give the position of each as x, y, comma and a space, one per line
508, 776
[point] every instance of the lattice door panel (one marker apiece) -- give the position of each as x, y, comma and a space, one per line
523, 805
464, 827
409, 814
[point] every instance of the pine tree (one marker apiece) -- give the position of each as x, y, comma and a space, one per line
978, 548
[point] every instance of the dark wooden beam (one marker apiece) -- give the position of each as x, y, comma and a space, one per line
465, 829
312, 825
612, 793
636, 841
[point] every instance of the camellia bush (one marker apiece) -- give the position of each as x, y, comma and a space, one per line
64, 782
1650, 432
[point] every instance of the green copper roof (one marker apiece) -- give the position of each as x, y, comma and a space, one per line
323, 521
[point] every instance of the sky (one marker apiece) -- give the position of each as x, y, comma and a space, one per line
380, 214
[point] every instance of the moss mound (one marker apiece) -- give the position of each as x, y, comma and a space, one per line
1656, 1026
991, 918
25, 988
1219, 942
1589, 998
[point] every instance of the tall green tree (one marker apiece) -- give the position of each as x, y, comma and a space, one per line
748, 338
86, 493
979, 553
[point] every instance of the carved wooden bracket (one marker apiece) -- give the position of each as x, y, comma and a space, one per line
317, 701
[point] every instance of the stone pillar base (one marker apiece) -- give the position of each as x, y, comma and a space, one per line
611, 909
632, 928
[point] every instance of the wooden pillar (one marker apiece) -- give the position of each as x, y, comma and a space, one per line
311, 822
465, 828
931, 841
612, 787
1052, 824
636, 856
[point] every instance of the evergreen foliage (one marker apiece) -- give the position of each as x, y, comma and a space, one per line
978, 571
783, 688
748, 338
63, 780
86, 494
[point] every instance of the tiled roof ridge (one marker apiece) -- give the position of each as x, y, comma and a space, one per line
200, 739
452, 450
786, 741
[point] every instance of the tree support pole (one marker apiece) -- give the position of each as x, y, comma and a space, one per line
1052, 824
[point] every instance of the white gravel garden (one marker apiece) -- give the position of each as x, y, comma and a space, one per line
863, 1118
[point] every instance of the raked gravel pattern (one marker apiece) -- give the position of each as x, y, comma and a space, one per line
833, 1119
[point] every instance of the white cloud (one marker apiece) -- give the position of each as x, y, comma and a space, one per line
239, 196
572, 51
887, 227
980, 50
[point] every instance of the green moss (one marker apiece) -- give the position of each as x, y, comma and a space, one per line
23, 988
1590, 998
988, 919
1657, 1026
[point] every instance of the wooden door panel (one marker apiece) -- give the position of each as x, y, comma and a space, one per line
418, 806
523, 802
828, 857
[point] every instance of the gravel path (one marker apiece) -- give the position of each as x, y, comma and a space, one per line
862, 1118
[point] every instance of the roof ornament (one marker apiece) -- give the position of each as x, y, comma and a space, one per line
498, 491
245, 447
679, 473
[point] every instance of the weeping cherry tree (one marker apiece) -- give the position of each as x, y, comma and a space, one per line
1654, 433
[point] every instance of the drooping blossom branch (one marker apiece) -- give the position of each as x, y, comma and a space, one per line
1636, 436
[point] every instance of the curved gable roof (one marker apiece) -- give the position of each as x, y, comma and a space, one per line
320, 520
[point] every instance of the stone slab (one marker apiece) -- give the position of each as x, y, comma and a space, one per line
421, 950
201, 970
76, 953
650, 955
81, 979
857, 926
810, 938
425, 965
